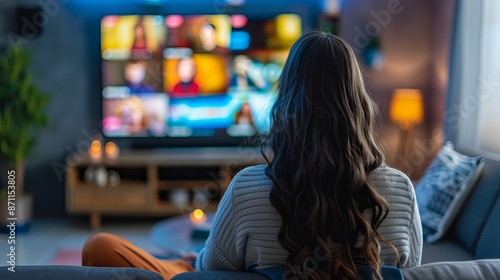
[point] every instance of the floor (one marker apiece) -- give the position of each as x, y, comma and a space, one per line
48, 235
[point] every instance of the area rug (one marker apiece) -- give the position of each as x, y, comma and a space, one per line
67, 256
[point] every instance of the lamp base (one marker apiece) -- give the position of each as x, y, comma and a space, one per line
405, 142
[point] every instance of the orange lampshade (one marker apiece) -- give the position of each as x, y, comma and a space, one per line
407, 107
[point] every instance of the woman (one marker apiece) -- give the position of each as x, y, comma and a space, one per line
140, 41
133, 115
244, 115
326, 201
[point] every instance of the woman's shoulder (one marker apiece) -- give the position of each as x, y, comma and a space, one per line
385, 172
251, 176
390, 180
254, 170
251, 184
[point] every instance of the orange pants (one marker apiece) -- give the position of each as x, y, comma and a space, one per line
108, 250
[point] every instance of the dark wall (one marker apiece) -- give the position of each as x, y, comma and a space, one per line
405, 40
66, 64
414, 38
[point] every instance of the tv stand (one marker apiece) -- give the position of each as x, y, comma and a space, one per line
149, 177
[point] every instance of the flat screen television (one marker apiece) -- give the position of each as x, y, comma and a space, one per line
191, 76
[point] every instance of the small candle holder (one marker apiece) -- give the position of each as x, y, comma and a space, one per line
113, 178
179, 197
201, 229
111, 150
95, 151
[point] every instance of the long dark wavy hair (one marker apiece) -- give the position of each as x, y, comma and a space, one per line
324, 146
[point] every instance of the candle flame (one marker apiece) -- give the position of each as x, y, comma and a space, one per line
95, 146
198, 214
110, 148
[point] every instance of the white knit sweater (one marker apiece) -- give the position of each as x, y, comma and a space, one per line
245, 228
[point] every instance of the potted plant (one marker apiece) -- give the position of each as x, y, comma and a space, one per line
22, 115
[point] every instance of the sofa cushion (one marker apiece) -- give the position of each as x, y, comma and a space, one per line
61, 272
475, 211
470, 270
219, 275
488, 245
443, 189
365, 272
446, 249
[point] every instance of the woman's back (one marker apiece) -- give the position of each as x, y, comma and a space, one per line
244, 233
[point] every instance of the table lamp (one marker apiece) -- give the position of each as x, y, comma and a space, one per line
407, 109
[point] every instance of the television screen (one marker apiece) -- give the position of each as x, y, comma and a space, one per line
192, 76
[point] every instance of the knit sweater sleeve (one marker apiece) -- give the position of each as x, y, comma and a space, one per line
416, 236
401, 227
220, 248
414, 228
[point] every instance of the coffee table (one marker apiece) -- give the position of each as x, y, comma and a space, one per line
174, 234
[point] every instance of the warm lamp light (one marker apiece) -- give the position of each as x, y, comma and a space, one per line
95, 150
197, 216
95, 146
111, 149
407, 107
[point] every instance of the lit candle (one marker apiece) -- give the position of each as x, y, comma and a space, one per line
197, 217
111, 149
95, 151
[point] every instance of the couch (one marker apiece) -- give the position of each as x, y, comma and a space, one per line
470, 270
61, 272
475, 233
470, 250
462, 270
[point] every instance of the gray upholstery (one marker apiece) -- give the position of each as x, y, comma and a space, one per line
471, 270
217, 275
476, 210
365, 272
445, 250
60, 272
488, 245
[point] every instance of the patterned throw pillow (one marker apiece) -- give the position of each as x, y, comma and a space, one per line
443, 188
